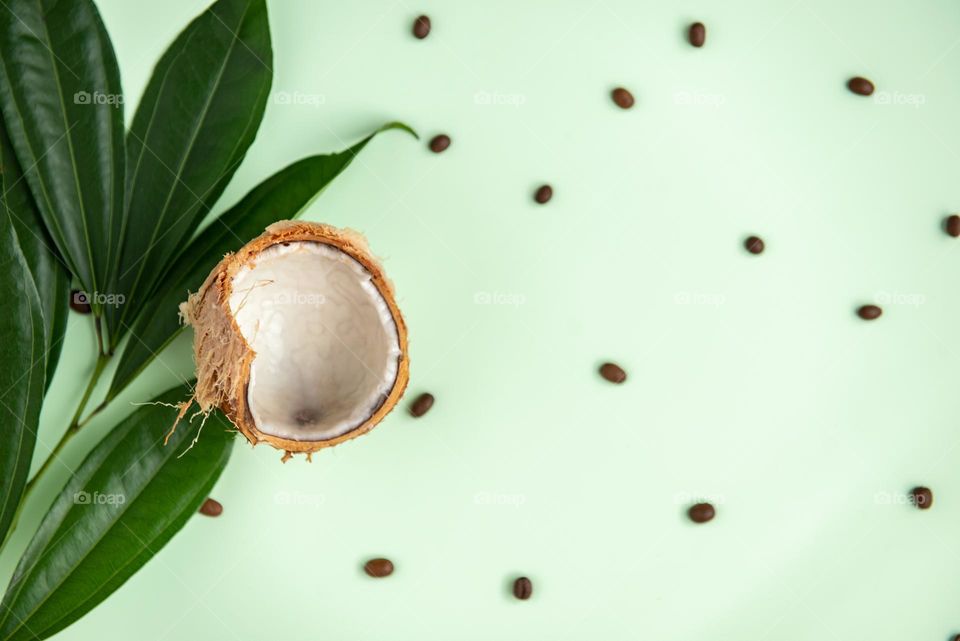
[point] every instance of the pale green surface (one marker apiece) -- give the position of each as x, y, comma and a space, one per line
765, 392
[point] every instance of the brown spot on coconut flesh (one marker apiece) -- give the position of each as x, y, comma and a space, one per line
306, 416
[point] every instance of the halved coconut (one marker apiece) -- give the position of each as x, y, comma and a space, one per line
298, 338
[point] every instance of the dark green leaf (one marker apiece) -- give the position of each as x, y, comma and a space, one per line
127, 499
22, 372
49, 273
199, 114
283, 195
63, 107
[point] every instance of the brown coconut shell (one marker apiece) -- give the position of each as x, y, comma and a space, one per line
223, 357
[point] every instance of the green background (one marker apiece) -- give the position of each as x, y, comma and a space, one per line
751, 381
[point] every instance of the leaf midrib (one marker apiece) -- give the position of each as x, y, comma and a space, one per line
33, 341
43, 187
145, 546
136, 173
73, 159
183, 161
235, 160
73, 567
21, 578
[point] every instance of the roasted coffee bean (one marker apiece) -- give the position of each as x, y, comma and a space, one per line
522, 588
211, 507
378, 568
869, 312
613, 373
697, 34
952, 225
921, 497
439, 143
860, 86
701, 512
622, 97
79, 302
421, 27
754, 245
544, 194
422, 404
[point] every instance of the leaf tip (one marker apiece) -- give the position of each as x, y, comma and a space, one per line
398, 125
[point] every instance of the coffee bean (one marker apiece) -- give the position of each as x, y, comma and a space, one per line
613, 373
754, 245
952, 225
421, 27
701, 512
378, 568
869, 312
79, 302
439, 143
697, 34
544, 194
422, 404
211, 507
522, 588
622, 97
921, 497
860, 86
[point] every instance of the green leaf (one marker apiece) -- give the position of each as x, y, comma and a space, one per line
127, 499
22, 373
199, 114
49, 273
284, 195
62, 104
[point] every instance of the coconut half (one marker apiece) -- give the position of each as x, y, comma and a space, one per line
298, 338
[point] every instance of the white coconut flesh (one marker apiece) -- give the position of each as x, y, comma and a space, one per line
327, 348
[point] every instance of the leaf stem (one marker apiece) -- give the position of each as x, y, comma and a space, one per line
99, 408
74, 426
96, 324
